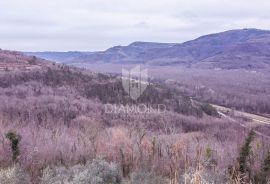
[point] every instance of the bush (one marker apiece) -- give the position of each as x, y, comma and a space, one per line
261, 177
96, 172
146, 178
209, 110
202, 176
14, 175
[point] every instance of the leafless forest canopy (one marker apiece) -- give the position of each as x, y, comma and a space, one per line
54, 128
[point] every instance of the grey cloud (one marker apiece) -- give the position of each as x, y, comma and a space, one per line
99, 24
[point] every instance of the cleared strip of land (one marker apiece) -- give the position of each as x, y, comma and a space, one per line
223, 111
253, 117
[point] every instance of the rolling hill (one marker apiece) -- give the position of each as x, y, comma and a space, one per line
56, 115
234, 49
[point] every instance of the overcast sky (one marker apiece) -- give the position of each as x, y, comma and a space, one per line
90, 25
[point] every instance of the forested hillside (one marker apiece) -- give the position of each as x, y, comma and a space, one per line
55, 129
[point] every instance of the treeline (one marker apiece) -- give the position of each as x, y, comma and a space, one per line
105, 88
243, 90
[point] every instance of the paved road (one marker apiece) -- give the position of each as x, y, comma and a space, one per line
253, 117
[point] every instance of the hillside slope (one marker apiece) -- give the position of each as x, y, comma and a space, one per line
87, 84
57, 113
246, 48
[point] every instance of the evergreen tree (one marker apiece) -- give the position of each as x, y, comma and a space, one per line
14, 144
245, 153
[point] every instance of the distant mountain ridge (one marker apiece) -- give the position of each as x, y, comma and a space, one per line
245, 48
